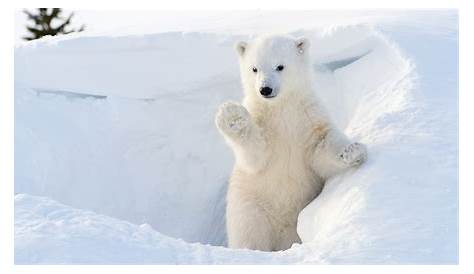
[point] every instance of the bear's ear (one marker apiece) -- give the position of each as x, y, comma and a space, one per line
302, 44
241, 47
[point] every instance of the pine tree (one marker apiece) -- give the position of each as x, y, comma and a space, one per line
43, 23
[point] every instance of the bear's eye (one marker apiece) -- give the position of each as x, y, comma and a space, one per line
280, 67
254, 69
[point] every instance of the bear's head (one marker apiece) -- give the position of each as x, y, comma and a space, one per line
273, 67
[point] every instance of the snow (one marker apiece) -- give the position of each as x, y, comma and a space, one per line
117, 159
76, 236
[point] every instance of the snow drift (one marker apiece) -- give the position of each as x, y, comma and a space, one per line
120, 131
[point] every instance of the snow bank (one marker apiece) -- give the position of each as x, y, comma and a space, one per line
131, 131
47, 232
123, 127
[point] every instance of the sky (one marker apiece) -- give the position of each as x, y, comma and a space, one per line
115, 22
128, 22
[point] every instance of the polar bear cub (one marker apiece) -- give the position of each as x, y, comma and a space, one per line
284, 143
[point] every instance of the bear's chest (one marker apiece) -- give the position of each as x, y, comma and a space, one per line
289, 135
289, 146
288, 181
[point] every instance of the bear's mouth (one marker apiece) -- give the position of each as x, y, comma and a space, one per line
269, 96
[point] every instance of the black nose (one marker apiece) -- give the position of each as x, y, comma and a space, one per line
265, 91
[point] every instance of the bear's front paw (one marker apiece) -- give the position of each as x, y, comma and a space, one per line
354, 154
232, 119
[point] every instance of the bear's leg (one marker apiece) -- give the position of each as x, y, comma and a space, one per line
287, 237
248, 227
243, 135
336, 153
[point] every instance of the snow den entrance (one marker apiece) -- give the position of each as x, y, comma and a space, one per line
124, 126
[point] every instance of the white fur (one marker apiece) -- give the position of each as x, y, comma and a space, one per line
285, 147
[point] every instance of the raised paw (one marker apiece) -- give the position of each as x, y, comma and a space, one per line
232, 119
354, 154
